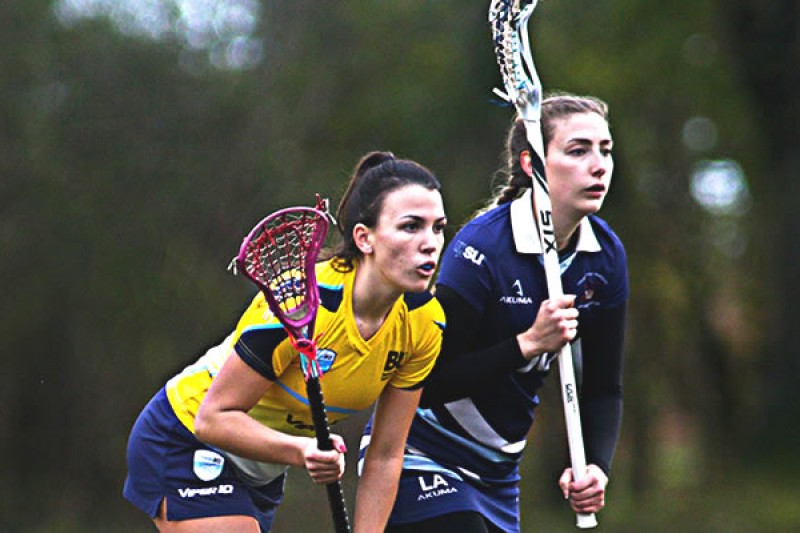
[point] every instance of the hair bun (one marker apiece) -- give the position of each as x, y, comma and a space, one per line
372, 160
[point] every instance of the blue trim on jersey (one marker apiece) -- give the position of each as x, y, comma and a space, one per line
330, 296
256, 327
256, 344
304, 401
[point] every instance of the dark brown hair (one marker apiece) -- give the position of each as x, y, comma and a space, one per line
554, 107
374, 177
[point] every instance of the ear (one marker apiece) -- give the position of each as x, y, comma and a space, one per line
526, 162
362, 237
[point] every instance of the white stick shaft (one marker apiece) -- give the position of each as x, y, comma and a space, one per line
572, 417
569, 388
524, 89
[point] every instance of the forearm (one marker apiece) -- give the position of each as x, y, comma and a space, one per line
223, 420
602, 394
238, 433
460, 375
601, 419
383, 462
461, 369
376, 493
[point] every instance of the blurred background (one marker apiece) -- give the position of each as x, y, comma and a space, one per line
141, 139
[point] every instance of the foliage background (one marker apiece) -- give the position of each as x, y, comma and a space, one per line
141, 139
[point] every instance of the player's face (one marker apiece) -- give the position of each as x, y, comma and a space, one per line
408, 238
579, 164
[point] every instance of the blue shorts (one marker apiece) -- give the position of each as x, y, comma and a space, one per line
165, 460
427, 494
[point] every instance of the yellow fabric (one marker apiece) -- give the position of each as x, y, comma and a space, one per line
402, 353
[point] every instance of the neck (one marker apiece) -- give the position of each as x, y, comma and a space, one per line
565, 224
565, 233
372, 300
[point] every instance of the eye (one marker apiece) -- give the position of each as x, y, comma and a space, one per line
577, 152
410, 226
606, 152
439, 226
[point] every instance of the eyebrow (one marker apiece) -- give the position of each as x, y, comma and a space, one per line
418, 218
581, 140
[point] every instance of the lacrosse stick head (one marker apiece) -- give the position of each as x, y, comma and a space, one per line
279, 256
508, 21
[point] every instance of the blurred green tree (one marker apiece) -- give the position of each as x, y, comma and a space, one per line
134, 160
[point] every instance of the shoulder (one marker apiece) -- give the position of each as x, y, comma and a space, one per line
424, 307
610, 266
488, 235
257, 312
488, 225
329, 275
331, 282
607, 238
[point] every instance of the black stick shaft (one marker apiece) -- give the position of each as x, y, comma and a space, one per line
341, 522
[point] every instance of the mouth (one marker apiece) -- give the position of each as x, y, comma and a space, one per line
596, 190
426, 269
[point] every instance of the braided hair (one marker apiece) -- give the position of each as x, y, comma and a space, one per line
554, 107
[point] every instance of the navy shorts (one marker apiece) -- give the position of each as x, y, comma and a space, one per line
426, 494
165, 460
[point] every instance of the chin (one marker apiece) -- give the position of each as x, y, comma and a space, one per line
592, 208
417, 286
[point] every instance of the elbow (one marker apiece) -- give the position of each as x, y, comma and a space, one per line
203, 427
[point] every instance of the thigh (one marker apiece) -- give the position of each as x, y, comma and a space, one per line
215, 524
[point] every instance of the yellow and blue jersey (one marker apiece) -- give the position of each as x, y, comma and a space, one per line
355, 370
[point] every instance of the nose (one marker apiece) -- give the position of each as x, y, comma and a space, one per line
600, 165
430, 242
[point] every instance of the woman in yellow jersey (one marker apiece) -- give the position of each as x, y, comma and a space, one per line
210, 451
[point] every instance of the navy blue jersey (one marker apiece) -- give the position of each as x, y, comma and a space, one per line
493, 266
499, 272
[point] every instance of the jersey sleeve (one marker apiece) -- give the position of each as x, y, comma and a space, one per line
601, 393
259, 334
465, 269
618, 287
461, 370
426, 325
602, 341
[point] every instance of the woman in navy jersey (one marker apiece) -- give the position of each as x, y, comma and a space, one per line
461, 468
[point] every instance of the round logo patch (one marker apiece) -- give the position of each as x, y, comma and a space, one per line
207, 464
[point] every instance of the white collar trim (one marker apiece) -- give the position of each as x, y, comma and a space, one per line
526, 234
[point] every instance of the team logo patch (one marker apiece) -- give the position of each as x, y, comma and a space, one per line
325, 358
207, 464
465, 251
519, 296
394, 360
588, 288
435, 487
